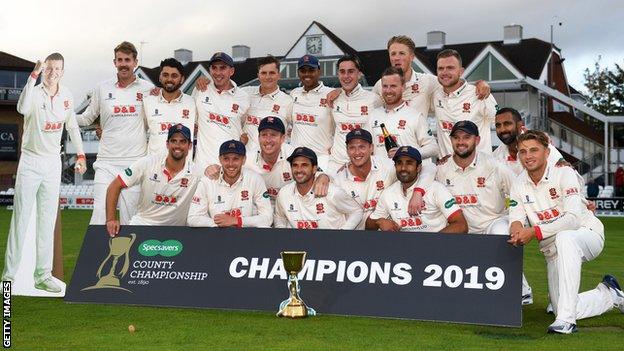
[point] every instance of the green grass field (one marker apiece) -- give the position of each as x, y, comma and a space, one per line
51, 324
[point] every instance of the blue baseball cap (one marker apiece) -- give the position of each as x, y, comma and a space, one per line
308, 60
232, 147
466, 126
179, 128
272, 122
223, 57
408, 151
303, 152
360, 133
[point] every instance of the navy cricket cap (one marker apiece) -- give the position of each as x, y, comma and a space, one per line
232, 147
179, 128
223, 57
466, 126
272, 122
304, 152
409, 152
308, 60
360, 133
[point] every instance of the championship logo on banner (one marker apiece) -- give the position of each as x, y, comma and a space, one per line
455, 278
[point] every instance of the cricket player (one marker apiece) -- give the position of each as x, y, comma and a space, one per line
221, 110
441, 213
456, 100
481, 185
546, 204
350, 110
297, 206
118, 103
509, 126
406, 125
168, 108
237, 199
266, 100
313, 125
47, 108
167, 184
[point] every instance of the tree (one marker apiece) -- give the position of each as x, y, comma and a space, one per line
606, 89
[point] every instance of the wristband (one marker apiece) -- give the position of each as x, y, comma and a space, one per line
239, 222
34, 75
538, 233
110, 220
421, 191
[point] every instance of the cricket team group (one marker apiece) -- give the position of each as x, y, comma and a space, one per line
317, 158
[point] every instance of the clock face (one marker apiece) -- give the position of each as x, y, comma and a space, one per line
314, 45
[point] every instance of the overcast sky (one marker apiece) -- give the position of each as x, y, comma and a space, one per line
86, 32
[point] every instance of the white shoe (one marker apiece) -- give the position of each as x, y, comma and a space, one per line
48, 285
616, 291
527, 299
562, 327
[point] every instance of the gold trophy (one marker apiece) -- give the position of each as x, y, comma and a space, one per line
119, 246
294, 307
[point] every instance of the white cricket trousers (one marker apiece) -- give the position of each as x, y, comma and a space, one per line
37, 184
105, 173
564, 258
501, 226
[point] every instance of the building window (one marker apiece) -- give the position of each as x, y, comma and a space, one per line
328, 68
288, 70
490, 69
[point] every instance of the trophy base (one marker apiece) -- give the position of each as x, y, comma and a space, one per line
293, 311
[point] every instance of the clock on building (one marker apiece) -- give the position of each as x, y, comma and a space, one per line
314, 45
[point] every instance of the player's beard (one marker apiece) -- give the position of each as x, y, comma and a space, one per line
171, 88
508, 138
466, 153
406, 177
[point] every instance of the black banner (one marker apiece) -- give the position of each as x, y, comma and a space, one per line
608, 204
427, 276
8, 142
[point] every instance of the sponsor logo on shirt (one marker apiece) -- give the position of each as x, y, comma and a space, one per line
52, 126
122, 110
323, 103
449, 203
235, 212
253, 120
370, 204
276, 108
380, 138
154, 177
219, 119
380, 185
527, 200
553, 193
320, 208
303, 118
196, 200
185, 113
439, 104
219, 200
184, 182
364, 110
411, 222
161, 199
235, 108
513, 203
415, 88
244, 195
447, 125
110, 97
466, 107
139, 97
156, 113
286, 176
128, 172
291, 208
349, 126
466, 200
571, 191
66, 105
548, 215
307, 224
164, 127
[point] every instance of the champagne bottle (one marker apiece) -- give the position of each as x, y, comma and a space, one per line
388, 141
